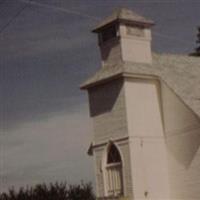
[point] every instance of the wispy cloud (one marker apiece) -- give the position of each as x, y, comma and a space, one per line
45, 55
49, 150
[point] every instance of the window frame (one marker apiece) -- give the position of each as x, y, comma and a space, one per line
108, 33
113, 165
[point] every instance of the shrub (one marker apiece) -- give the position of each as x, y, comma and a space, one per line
56, 191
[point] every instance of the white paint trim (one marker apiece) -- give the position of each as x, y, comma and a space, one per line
103, 143
96, 179
104, 165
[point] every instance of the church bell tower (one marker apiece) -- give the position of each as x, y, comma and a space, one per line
125, 36
128, 144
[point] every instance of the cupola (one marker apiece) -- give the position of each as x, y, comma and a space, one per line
124, 37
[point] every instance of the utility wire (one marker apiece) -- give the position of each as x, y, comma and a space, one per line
12, 19
60, 9
94, 18
171, 38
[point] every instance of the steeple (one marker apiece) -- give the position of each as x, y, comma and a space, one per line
124, 36
124, 102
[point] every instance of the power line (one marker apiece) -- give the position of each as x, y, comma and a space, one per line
44, 6
12, 19
171, 38
60, 9
94, 18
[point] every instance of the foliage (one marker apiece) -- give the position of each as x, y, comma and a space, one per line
198, 42
56, 191
197, 49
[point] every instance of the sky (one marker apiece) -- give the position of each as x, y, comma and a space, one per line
46, 51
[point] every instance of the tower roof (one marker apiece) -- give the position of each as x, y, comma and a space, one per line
180, 73
124, 15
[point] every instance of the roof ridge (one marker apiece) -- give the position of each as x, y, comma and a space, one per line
124, 14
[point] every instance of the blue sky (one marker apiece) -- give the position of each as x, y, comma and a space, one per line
47, 51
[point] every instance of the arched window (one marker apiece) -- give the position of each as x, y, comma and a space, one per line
113, 172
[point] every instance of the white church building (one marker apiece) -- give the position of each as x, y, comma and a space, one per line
145, 109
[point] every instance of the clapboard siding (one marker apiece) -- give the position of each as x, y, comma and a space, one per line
107, 108
127, 177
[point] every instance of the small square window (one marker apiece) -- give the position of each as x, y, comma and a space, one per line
108, 33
